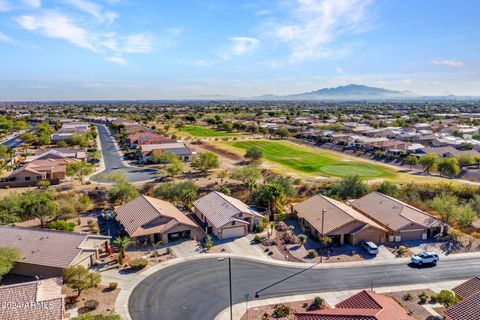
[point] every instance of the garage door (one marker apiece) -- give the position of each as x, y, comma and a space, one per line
233, 232
411, 234
374, 237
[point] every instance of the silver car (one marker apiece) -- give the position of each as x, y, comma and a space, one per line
425, 257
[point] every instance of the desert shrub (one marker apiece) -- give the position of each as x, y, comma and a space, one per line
476, 235
61, 225
423, 297
280, 216
91, 304
112, 285
433, 298
311, 254
138, 264
281, 310
318, 302
402, 250
257, 239
408, 296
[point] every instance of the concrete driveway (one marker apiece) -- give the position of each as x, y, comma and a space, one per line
113, 159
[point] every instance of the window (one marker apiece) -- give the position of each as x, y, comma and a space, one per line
240, 214
27, 178
233, 223
39, 177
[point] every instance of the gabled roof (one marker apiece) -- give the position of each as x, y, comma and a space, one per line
221, 209
468, 288
45, 247
467, 309
365, 305
394, 213
45, 293
337, 214
142, 216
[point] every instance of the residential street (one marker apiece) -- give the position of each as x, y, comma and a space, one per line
199, 289
113, 161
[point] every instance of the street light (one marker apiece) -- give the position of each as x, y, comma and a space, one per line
229, 282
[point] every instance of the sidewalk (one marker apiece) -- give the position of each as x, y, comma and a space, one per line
334, 297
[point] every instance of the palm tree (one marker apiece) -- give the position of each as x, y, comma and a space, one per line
120, 244
272, 194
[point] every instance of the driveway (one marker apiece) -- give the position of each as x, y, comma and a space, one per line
199, 289
113, 158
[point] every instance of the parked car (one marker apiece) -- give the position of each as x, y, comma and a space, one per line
369, 247
425, 258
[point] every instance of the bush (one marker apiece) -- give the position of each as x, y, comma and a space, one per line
61, 225
311, 254
257, 239
408, 296
402, 250
423, 297
138, 264
91, 304
281, 310
280, 217
112, 285
88, 316
259, 228
169, 250
318, 302
433, 298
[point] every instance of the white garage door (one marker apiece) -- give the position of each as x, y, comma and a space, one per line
233, 232
411, 234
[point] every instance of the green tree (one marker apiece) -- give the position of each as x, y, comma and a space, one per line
254, 154
448, 167
205, 161
178, 193
79, 278
477, 161
465, 215
89, 316
283, 133
388, 188
222, 175
285, 183
80, 139
39, 205
8, 258
225, 190
272, 194
411, 161
466, 160
350, 186
122, 192
120, 244
174, 168
429, 162
44, 139
29, 138
78, 170
248, 175
445, 205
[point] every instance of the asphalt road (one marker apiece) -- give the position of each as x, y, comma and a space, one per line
199, 289
114, 163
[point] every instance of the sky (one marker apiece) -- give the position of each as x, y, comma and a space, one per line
156, 49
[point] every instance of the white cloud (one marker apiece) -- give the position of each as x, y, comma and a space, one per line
95, 10
449, 63
240, 46
138, 43
317, 23
4, 6
34, 4
5, 38
117, 60
55, 25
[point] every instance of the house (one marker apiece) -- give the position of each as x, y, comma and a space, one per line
402, 221
225, 216
68, 129
365, 305
151, 219
447, 152
57, 153
469, 306
339, 221
36, 300
141, 138
50, 169
45, 253
177, 148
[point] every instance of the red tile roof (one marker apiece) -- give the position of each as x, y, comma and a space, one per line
467, 288
469, 307
365, 305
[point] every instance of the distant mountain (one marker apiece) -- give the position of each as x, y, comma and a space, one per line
348, 92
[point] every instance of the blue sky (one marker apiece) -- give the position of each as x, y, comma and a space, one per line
141, 49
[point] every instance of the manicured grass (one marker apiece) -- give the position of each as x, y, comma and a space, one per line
204, 132
311, 161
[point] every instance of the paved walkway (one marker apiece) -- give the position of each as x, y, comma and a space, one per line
128, 281
334, 297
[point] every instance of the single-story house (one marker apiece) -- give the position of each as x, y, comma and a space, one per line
35, 300
403, 221
177, 148
447, 152
225, 216
139, 138
469, 306
45, 253
367, 305
340, 222
57, 153
154, 220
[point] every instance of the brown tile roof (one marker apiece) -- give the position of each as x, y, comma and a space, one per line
394, 213
467, 288
365, 305
221, 209
38, 300
44, 247
467, 309
143, 215
337, 214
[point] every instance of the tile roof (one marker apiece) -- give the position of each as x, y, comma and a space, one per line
394, 213
365, 305
468, 288
221, 209
142, 216
44, 247
337, 214
38, 300
467, 309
